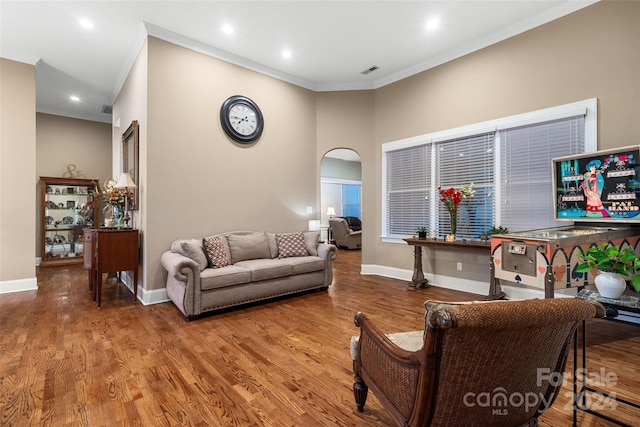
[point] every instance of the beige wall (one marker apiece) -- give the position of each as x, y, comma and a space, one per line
64, 144
198, 181
346, 120
195, 181
17, 175
592, 53
130, 105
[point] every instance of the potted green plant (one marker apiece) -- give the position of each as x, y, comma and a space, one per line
422, 232
494, 230
614, 266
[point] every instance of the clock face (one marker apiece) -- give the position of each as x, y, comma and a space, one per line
241, 119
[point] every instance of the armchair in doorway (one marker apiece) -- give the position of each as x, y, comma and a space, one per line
442, 375
343, 235
353, 222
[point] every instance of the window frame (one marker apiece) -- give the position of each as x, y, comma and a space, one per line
588, 108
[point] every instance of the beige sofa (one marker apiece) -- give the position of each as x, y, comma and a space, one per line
236, 268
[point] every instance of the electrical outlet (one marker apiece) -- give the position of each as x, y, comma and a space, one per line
459, 266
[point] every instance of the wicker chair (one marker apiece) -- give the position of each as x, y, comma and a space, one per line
475, 364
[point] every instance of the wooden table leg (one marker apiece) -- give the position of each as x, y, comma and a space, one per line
99, 289
135, 285
418, 280
495, 289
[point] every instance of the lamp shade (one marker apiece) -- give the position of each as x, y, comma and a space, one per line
125, 181
331, 211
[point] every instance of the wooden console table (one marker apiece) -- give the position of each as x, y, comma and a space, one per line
418, 280
110, 250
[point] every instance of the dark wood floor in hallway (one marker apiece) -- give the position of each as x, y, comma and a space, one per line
64, 362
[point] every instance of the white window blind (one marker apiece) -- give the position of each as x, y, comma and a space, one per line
507, 159
408, 186
526, 186
464, 161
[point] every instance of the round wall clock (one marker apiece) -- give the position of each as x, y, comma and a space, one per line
241, 119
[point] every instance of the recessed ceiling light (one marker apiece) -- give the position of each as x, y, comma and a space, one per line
432, 24
86, 23
286, 53
227, 29
74, 98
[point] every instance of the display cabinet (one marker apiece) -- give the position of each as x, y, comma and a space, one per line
68, 206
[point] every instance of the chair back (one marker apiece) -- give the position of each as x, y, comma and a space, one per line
497, 363
501, 360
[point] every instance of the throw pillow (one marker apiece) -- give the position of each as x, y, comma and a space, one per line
311, 240
194, 250
291, 245
214, 248
248, 246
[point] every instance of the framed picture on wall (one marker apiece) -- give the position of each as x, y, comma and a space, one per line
130, 163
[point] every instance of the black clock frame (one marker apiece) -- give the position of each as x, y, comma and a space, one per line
226, 124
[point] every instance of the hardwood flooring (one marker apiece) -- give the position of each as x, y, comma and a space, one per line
64, 362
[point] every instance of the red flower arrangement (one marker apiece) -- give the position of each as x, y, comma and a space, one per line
452, 199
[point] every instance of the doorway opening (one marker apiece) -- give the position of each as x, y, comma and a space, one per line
341, 188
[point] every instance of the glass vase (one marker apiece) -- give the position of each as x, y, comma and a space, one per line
453, 221
118, 217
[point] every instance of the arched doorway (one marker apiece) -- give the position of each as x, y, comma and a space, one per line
340, 185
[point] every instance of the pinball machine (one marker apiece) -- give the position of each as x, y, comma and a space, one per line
598, 193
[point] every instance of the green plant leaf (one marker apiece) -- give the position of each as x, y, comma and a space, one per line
635, 282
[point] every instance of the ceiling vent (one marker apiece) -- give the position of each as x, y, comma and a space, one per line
107, 109
369, 70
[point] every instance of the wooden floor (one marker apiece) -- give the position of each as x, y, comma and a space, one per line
64, 362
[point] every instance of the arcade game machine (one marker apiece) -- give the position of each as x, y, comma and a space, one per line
598, 194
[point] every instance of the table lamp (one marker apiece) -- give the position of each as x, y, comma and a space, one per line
126, 182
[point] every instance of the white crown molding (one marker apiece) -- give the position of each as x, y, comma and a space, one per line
19, 57
197, 46
149, 29
496, 37
102, 117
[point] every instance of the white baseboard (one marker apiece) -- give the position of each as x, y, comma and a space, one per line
465, 285
20, 285
155, 296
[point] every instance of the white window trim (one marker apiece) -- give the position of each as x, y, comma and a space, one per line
588, 108
340, 181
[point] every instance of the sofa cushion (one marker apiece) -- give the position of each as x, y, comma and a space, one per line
265, 269
273, 245
311, 239
307, 264
291, 245
191, 249
248, 246
216, 252
410, 341
213, 278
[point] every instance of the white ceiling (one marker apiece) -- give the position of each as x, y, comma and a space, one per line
331, 42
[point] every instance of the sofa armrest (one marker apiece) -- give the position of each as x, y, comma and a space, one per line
183, 281
327, 251
179, 266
